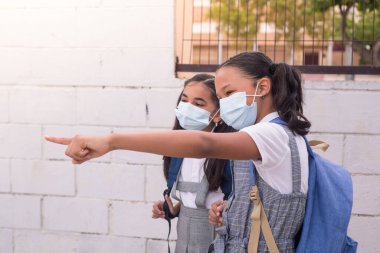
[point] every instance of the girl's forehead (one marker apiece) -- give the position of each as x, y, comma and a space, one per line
227, 75
197, 89
229, 72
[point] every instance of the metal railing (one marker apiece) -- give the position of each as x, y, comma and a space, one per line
316, 36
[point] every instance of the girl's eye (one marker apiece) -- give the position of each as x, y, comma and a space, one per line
229, 92
199, 104
184, 100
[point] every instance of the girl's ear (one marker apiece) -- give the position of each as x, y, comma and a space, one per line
264, 87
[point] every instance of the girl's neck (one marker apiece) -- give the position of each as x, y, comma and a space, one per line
266, 107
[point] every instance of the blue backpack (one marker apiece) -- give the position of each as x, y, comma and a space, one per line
328, 207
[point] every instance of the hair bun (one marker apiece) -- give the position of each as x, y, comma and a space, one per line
272, 68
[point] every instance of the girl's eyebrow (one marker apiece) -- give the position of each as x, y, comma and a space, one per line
226, 86
223, 89
198, 99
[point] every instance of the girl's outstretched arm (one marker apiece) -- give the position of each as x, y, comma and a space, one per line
197, 144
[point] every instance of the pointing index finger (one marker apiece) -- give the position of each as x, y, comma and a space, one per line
63, 141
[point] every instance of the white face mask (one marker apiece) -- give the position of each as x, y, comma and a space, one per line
191, 117
235, 112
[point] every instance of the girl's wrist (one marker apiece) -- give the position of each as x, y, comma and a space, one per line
112, 141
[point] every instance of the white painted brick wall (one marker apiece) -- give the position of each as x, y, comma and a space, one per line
111, 107
43, 177
65, 66
27, 241
106, 181
135, 157
13, 144
48, 3
5, 175
366, 194
116, 33
123, 221
154, 246
343, 111
97, 66
127, 3
75, 214
20, 211
146, 67
15, 63
162, 100
361, 153
366, 231
6, 240
4, 105
47, 242
49, 106
155, 183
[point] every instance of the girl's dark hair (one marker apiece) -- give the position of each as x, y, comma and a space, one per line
213, 168
286, 86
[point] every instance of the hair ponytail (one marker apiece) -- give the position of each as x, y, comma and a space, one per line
288, 98
286, 86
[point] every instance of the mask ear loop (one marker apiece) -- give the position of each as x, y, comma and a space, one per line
255, 95
216, 124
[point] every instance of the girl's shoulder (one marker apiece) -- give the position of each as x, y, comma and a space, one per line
268, 131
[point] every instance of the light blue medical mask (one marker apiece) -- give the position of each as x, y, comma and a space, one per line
235, 112
191, 117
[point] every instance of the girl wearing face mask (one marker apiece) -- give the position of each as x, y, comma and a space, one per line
253, 92
195, 183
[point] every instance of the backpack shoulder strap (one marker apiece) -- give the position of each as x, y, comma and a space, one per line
227, 183
252, 175
312, 144
279, 121
174, 167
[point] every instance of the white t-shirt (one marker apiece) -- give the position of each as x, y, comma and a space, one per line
275, 164
193, 171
